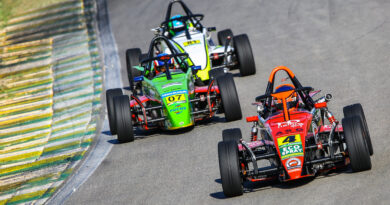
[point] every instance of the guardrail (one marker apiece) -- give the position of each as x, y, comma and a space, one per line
50, 88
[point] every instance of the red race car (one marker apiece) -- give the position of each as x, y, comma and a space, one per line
290, 139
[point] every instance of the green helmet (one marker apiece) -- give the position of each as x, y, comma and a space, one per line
176, 26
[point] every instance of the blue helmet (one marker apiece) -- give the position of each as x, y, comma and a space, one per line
160, 66
292, 100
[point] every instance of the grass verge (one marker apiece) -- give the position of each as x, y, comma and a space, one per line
12, 8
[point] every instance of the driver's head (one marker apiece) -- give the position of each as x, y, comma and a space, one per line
162, 63
176, 26
292, 100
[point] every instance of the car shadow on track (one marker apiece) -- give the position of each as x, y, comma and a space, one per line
259, 186
138, 135
248, 187
143, 134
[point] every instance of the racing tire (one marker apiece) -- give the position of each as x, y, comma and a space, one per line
143, 57
229, 97
222, 36
133, 56
124, 124
356, 144
229, 168
233, 134
110, 94
243, 50
357, 109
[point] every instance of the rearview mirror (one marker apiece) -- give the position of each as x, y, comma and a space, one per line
198, 18
261, 98
195, 68
210, 29
140, 68
139, 78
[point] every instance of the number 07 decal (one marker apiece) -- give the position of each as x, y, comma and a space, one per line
175, 97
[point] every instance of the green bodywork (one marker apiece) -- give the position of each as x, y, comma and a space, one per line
175, 95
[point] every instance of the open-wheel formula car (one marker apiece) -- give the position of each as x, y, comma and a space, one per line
290, 139
166, 95
189, 36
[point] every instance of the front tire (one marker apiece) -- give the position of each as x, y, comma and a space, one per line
356, 144
229, 97
229, 168
243, 50
110, 94
124, 124
357, 109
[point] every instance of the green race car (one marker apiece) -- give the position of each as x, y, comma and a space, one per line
167, 96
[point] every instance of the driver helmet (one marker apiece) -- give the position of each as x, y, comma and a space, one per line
176, 26
159, 65
292, 100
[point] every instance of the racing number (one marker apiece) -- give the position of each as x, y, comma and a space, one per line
289, 139
175, 98
188, 43
284, 141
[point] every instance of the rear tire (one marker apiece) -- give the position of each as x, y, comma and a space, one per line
132, 59
357, 109
243, 50
124, 124
230, 102
233, 134
229, 168
222, 36
356, 144
110, 94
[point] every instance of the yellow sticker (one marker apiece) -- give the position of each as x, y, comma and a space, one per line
289, 139
175, 98
188, 43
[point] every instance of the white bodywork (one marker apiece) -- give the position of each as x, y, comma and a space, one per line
196, 47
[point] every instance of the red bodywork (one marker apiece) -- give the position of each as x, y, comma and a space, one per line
289, 136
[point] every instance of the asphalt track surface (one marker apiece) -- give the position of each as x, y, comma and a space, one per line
341, 47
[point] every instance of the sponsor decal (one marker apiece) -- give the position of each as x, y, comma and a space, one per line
293, 163
291, 151
189, 43
175, 97
171, 84
174, 93
290, 146
290, 123
178, 109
